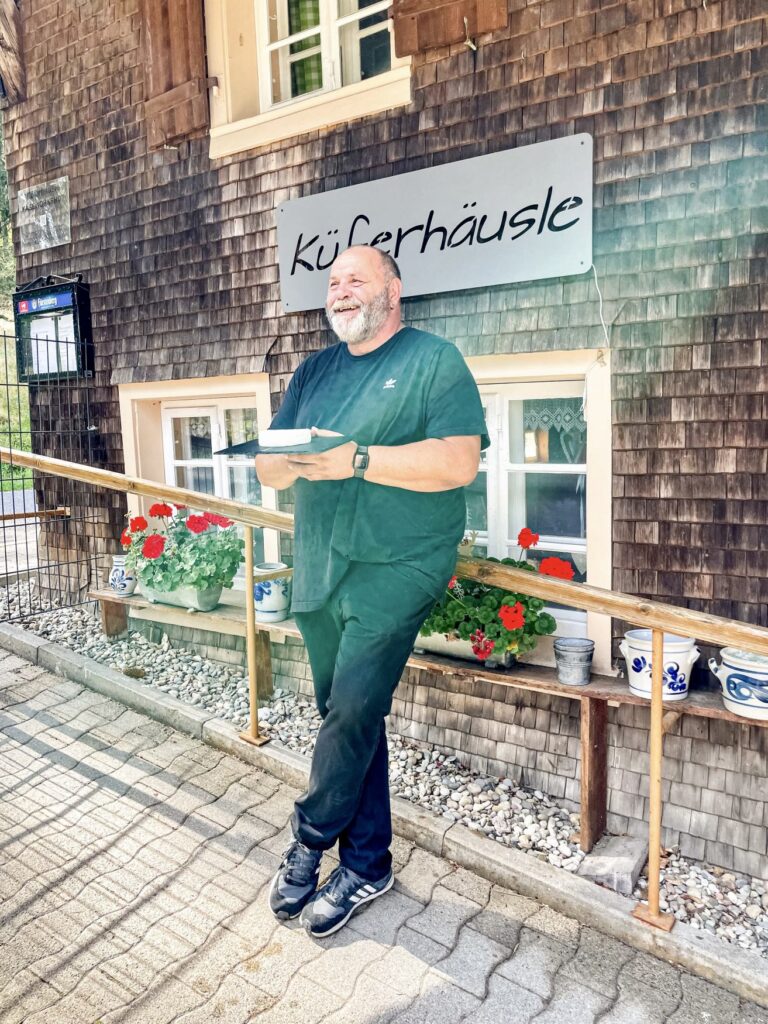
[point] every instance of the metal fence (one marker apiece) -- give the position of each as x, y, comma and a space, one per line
46, 559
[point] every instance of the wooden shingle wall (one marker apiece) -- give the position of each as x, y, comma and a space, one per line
180, 252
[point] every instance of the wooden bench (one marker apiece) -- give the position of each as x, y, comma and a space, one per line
595, 697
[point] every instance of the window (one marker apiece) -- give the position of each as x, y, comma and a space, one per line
534, 474
171, 429
322, 44
286, 67
549, 468
192, 434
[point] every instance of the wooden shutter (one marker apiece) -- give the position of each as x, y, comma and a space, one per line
422, 24
176, 88
12, 76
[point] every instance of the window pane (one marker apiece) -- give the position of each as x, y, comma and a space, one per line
366, 48
547, 430
477, 504
291, 17
196, 478
244, 485
551, 504
192, 437
293, 73
240, 425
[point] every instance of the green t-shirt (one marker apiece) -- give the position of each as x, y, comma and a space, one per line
413, 387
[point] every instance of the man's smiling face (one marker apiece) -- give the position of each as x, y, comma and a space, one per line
359, 301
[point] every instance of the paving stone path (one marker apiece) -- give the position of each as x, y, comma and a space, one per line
134, 867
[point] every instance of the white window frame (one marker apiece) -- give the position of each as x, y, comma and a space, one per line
330, 48
587, 372
233, 26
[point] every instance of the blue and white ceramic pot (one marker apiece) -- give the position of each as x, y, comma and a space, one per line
680, 656
272, 597
121, 580
744, 680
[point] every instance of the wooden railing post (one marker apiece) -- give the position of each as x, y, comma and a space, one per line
651, 914
252, 736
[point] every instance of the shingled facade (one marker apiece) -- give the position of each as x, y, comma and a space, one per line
179, 249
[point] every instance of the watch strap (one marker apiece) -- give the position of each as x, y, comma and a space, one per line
360, 461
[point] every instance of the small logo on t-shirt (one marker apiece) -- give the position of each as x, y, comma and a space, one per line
390, 383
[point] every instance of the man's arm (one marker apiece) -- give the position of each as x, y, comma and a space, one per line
436, 464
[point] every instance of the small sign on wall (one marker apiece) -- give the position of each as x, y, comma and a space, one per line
44, 220
520, 215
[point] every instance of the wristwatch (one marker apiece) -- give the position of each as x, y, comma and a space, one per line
360, 461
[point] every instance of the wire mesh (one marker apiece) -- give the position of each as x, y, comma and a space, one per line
50, 527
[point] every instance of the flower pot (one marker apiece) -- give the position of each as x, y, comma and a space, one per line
744, 681
185, 597
272, 597
680, 655
573, 657
452, 646
121, 580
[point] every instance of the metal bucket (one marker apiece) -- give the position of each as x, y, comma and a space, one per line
573, 657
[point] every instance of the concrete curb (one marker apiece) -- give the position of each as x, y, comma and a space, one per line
739, 971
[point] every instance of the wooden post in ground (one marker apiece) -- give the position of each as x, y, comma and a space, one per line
651, 914
594, 771
252, 736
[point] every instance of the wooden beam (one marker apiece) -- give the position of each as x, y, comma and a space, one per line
594, 771
114, 618
43, 513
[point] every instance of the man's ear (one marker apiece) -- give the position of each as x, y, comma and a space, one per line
395, 291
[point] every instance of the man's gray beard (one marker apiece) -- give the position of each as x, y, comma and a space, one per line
370, 319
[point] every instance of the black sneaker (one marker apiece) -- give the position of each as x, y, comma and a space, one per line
339, 898
295, 881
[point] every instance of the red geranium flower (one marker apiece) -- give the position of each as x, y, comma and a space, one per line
527, 538
153, 546
138, 524
482, 648
512, 616
197, 524
160, 510
451, 582
180, 508
125, 539
556, 567
216, 520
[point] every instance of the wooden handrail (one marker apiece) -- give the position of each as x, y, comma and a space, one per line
637, 610
248, 515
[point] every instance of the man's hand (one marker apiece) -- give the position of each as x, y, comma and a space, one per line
335, 464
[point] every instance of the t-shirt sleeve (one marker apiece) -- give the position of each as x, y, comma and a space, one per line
452, 402
285, 417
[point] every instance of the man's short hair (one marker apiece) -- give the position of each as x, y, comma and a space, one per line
391, 268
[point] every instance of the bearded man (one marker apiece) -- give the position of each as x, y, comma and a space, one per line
378, 520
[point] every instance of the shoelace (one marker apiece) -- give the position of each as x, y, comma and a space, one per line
340, 885
301, 864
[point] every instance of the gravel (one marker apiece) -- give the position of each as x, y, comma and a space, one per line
731, 906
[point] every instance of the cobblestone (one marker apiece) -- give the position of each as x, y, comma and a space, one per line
134, 873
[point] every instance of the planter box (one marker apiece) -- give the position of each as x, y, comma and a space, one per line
185, 597
454, 647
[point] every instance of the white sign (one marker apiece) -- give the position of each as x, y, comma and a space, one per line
44, 215
520, 215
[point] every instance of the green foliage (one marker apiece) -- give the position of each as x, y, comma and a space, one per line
471, 606
197, 560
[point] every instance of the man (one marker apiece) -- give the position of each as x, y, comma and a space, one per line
378, 521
